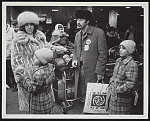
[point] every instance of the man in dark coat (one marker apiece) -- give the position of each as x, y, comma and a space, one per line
90, 53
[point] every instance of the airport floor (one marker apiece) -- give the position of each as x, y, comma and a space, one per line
12, 106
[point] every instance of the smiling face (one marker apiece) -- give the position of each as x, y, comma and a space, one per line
123, 51
81, 23
29, 28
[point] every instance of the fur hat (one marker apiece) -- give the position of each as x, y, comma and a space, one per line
129, 45
45, 55
27, 17
84, 14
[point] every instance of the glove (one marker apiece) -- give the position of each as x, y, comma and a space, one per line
99, 77
74, 63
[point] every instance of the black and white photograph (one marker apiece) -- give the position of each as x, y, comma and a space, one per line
75, 60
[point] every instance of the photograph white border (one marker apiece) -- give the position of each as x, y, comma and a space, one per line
75, 116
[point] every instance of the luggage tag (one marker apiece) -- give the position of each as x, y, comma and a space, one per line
136, 97
86, 47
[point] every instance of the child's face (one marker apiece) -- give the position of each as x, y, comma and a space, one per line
123, 51
60, 28
36, 60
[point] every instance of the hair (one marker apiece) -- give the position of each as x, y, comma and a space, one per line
22, 28
15, 22
111, 29
84, 14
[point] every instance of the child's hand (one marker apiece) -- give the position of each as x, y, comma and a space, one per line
34, 88
17, 78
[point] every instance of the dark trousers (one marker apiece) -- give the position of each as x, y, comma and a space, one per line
81, 83
10, 81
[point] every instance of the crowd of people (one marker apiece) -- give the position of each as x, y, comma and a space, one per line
32, 62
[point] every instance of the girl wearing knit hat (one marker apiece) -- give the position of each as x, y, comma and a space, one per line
28, 39
123, 81
40, 85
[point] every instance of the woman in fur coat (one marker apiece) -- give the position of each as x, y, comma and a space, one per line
28, 39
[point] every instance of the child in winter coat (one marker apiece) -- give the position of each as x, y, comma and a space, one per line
59, 38
120, 96
41, 99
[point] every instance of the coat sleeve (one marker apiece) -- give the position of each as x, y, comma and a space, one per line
102, 54
41, 38
16, 55
75, 49
130, 81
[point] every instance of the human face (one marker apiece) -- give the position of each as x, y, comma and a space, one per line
131, 28
36, 60
112, 32
16, 28
60, 28
29, 28
123, 51
81, 23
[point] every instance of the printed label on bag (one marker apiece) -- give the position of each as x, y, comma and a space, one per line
98, 101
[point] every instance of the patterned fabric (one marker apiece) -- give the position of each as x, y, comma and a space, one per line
120, 89
41, 94
22, 51
10, 35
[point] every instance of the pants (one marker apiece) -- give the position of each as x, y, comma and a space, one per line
81, 84
10, 81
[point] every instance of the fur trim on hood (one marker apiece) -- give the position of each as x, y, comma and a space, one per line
58, 32
27, 17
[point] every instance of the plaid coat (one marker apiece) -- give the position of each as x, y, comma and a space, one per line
120, 90
41, 100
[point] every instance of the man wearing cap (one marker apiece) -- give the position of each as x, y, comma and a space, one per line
90, 53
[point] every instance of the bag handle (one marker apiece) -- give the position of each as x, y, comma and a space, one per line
102, 80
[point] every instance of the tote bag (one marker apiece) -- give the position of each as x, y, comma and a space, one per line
95, 98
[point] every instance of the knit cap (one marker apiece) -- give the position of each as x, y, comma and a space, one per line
129, 45
45, 55
27, 17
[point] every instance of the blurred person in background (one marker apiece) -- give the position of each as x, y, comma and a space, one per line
132, 34
10, 35
112, 37
15, 25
